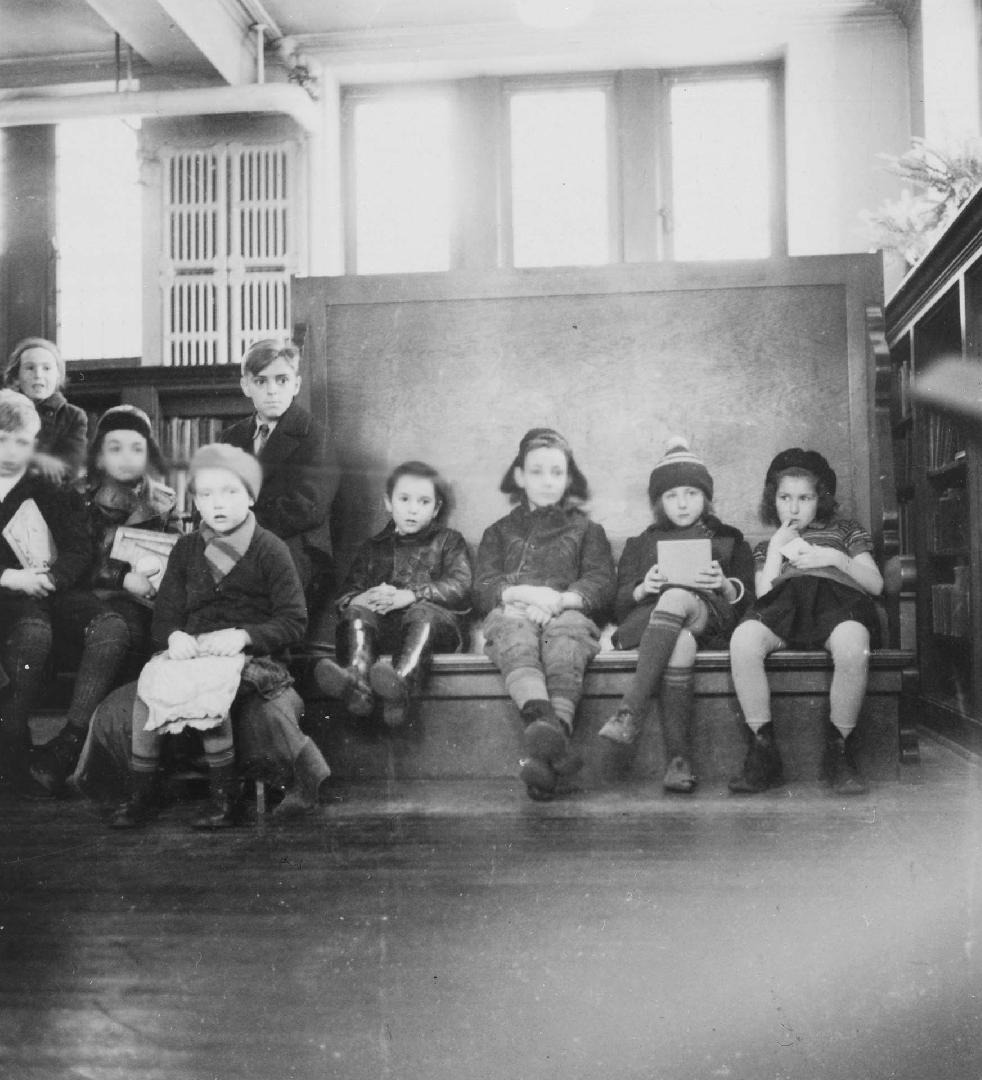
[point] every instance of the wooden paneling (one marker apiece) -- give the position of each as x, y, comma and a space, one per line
744, 359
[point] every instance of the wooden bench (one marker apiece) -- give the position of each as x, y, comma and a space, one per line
465, 725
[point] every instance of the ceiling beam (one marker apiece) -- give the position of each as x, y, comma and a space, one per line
185, 35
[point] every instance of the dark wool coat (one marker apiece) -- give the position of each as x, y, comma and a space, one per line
64, 428
300, 479
555, 546
435, 564
261, 595
640, 553
64, 512
109, 507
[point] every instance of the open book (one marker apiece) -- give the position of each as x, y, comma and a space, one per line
29, 537
145, 550
680, 560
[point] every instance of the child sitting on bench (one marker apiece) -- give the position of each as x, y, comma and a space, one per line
406, 593
230, 594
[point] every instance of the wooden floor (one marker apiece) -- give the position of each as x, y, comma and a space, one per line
459, 931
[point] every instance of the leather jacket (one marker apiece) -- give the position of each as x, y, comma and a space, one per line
555, 546
435, 564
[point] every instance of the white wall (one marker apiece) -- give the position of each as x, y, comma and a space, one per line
847, 100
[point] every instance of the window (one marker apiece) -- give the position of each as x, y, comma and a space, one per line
722, 168
565, 170
98, 213
402, 184
559, 170
229, 249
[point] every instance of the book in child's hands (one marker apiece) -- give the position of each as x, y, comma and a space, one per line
146, 550
680, 560
30, 539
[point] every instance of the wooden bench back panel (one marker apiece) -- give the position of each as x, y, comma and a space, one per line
743, 359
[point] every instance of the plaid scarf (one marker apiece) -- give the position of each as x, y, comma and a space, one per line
223, 550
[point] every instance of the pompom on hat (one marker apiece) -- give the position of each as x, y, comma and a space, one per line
809, 461
679, 468
226, 456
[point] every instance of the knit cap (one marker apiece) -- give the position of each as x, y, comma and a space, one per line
226, 456
679, 468
808, 460
124, 418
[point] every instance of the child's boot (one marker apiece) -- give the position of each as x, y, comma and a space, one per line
350, 683
623, 728
548, 755
396, 682
54, 762
839, 766
142, 806
762, 767
226, 809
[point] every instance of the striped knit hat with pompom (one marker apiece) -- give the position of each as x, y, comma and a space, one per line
679, 468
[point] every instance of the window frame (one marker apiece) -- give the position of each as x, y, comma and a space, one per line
773, 74
351, 98
640, 207
605, 81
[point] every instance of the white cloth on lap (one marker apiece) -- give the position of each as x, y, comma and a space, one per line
195, 693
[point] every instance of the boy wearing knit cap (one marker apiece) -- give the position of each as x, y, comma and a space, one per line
230, 590
666, 621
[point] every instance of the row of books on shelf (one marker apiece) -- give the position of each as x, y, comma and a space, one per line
945, 442
182, 435
950, 523
950, 606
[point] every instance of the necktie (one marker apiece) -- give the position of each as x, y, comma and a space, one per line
262, 436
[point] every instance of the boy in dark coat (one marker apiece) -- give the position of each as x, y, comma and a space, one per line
300, 473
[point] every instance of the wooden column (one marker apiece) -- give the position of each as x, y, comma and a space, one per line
29, 280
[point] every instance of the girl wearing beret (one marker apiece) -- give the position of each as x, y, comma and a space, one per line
815, 581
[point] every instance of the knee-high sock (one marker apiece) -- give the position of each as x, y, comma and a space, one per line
847, 692
25, 654
107, 640
654, 652
676, 699
526, 684
752, 688
218, 746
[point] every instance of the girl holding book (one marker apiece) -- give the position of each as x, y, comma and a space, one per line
667, 620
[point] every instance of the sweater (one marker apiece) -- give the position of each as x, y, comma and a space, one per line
261, 594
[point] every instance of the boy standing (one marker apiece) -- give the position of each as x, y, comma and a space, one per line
300, 473
230, 591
